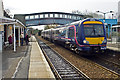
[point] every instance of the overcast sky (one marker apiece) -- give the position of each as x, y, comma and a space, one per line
35, 6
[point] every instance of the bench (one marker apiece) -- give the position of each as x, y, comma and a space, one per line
7, 45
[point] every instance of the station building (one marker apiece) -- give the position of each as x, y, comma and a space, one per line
9, 26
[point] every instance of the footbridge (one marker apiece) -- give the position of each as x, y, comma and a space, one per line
46, 18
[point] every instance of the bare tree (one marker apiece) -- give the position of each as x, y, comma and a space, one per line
87, 13
7, 11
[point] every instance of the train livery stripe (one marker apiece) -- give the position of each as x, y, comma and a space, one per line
75, 37
92, 22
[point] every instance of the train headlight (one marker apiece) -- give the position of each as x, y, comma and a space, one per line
86, 42
105, 41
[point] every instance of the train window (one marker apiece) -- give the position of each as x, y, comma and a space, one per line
57, 32
71, 32
63, 33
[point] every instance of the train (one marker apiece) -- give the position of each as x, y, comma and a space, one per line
85, 35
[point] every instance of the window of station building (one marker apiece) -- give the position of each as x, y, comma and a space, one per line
51, 15
31, 17
41, 16
36, 16
26, 17
46, 15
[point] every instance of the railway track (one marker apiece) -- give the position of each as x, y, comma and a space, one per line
109, 65
112, 65
62, 68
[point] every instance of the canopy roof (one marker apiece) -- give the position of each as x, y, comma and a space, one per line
4, 21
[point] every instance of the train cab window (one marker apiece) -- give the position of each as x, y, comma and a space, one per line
71, 32
93, 30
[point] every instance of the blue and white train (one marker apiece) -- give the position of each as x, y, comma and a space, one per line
85, 35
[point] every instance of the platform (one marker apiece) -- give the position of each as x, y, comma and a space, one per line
113, 46
39, 67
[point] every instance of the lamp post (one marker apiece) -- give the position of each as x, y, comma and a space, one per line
104, 20
104, 13
112, 16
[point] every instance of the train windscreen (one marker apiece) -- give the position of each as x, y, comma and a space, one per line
93, 30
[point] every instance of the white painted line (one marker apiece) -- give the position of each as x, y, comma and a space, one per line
17, 68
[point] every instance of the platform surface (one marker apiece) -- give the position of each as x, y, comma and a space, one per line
39, 67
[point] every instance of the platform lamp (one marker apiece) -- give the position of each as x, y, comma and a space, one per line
104, 16
104, 13
112, 16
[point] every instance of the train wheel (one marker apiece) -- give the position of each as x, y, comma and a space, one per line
76, 50
70, 46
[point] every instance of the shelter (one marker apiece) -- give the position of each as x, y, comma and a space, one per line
9, 27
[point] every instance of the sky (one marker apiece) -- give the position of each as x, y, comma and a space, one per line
36, 6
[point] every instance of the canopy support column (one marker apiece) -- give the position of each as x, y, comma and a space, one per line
14, 40
19, 35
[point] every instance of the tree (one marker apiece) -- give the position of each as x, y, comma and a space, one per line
50, 26
87, 14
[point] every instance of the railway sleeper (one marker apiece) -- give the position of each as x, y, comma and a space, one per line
67, 72
70, 75
72, 78
75, 78
64, 70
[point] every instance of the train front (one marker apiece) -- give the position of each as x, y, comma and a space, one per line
92, 36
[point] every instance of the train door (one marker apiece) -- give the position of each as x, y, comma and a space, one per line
71, 33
